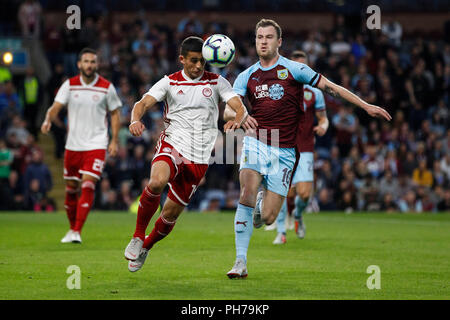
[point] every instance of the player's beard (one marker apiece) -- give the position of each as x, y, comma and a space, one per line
89, 75
268, 54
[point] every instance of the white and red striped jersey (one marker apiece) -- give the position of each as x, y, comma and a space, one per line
87, 107
191, 111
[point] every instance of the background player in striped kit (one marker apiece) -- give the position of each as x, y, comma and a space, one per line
88, 97
191, 98
274, 88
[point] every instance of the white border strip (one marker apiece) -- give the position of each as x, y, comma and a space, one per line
176, 196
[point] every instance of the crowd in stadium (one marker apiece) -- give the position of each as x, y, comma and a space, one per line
361, 164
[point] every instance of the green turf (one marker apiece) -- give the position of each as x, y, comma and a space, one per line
412, 251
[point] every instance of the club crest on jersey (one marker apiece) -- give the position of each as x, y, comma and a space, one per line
276, 91
307, 95
282, 74
207, 92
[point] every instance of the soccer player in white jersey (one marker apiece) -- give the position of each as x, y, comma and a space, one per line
89, 98
191, 98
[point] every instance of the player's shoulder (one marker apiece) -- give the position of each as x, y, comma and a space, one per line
245, 75
75, 81
209, 76
291, 64
176, 76
102, 83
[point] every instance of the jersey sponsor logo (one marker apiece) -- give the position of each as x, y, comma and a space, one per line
207, 92
282, 74
262, 91
276, 91
180, 92
307, 95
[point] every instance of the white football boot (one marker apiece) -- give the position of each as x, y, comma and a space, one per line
133, 249
239, 270
76, 237
68, 237
137, 264
280, 239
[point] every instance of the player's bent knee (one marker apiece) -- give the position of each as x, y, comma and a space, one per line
304, 193
248, 197
157, 184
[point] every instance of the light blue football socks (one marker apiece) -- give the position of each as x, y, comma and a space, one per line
243, 229
300, 205
281, 226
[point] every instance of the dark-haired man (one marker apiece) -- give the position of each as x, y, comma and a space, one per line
191, 98
88, 97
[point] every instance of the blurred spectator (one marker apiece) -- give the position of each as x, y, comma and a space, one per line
18, 129
325, 201
190, 26
29, 17
125, 197
347, 202
388, 184
14, 195
38, 171
410, 203
445, 165
388, 203
33, 195
444, 204
345, 124
422, 176
9, 105
393, 30
32, 93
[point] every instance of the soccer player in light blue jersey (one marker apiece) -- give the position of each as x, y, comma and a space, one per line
274, 88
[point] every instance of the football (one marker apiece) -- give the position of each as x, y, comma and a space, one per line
218, 50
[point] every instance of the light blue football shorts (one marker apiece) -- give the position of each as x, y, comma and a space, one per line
305, 168
273, 163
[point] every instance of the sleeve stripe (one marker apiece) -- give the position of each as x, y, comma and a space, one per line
313, 81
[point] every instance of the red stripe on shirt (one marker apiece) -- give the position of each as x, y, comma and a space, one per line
191, 84
75, 89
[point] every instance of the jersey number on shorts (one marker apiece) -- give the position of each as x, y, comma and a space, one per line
286, 176
98, 165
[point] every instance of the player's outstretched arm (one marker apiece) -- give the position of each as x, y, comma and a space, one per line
236, 115
136, 127
322, 123
340, 92
50, 116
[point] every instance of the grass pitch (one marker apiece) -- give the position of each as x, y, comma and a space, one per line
412, 252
